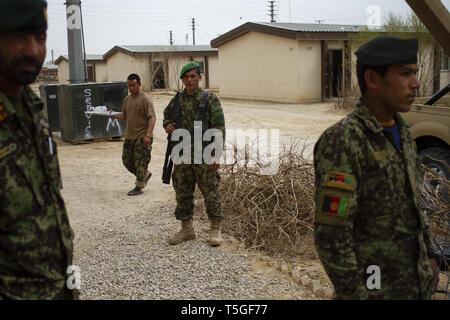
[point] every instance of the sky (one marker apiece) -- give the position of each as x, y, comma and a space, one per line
108, 23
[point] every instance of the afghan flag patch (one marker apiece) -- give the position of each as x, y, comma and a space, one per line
335, 206
340, 180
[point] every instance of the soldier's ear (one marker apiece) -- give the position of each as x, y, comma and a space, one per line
372, 79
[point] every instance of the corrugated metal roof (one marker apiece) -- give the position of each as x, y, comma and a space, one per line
89, 57
316, 27
168, 48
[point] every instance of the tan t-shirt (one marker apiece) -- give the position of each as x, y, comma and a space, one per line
137, 109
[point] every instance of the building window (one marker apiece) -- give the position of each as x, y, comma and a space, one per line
445, 62
202, 66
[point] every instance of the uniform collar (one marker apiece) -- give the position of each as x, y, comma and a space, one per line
371, 122
195, 93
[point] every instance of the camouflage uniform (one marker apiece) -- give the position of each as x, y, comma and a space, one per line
136, 158
35, 235
185, 176
368, 212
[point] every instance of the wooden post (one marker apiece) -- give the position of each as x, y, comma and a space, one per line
324, 69
206, 73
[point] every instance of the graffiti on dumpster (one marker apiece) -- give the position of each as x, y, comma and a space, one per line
112, 123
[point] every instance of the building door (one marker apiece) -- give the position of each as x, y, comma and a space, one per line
335, 73
90, 74
158, 75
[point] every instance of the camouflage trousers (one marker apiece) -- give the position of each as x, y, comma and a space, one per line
185, 177
136, 157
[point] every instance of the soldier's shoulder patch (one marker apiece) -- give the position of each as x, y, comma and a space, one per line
340, 180
3, 113
333, 208
334, 205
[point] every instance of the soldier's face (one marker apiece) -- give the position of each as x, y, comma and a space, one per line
21, 56
191, 80
398, 88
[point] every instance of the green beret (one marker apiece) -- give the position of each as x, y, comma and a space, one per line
188, 67
23, 15
387, 50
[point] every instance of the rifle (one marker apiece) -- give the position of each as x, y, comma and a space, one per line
176, 114
168, 164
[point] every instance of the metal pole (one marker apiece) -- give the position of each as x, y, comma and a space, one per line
75, 42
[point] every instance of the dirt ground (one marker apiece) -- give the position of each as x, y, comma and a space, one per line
96, 183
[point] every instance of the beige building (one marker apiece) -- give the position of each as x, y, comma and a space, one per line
95, 67
159, 66
288, 62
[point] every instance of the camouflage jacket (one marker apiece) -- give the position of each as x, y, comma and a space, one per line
190, 112
368, 211
35, 235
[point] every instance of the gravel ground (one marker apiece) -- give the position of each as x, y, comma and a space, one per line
134, 261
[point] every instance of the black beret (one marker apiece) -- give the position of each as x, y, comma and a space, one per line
23, 15
387, 50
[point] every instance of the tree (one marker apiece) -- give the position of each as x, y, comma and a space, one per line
410, 27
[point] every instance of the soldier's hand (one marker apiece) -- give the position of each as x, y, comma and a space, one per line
170, 128
146, 141
434, 267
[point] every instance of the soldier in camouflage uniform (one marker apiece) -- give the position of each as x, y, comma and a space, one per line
35, 235
367, 185
186, 176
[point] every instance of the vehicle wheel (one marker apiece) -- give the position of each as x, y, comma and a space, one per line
438, 161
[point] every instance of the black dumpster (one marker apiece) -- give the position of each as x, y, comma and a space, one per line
75, 99
49, 97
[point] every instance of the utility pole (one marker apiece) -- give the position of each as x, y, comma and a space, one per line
171, 37
186, 39
193, 31
272, 11
53, 60
319, 21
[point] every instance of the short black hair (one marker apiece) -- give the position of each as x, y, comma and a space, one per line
361, 70
134, 76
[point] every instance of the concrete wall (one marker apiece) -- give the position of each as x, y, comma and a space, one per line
120, 65
101, 72
213, 62
309, 71
63, 72
264, 67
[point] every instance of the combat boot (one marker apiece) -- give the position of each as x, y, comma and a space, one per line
186, 233
215, 237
